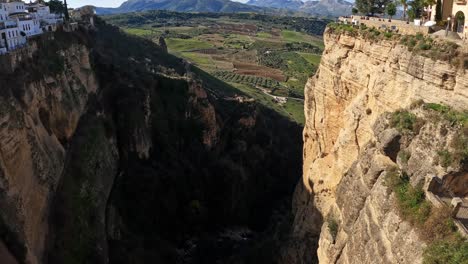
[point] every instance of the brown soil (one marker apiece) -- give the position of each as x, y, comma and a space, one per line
457, 183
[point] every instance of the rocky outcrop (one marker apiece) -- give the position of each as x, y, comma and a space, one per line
348, 145
38, 118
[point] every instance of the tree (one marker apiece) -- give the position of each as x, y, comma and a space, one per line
372, 6
354, 11
404, 3
56, 6
391, 10
438, 14
416, 8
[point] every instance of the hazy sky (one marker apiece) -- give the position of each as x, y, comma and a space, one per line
104, 3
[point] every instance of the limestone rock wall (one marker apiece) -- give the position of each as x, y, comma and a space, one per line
37, 118
358, 81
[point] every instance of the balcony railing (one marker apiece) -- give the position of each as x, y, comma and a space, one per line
8, 24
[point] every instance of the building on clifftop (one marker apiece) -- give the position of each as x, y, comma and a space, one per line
456, 10
19, 21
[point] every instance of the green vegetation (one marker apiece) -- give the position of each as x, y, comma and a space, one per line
264, 35
436, 50
434, 225
449, 251
292, 36
178, 45
248, 51
139, 31
161, 18
372, 6
422, 45
246, 79
406, 121
236, 41
458, 152
344, 28
56, 6
410, 200
391, 9
313, 59
404, 156
296, 110
453, 116
294, 65
198, 59
332, 226
445, 158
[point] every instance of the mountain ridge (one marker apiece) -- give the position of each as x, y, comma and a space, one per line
324, 8
288, 4
226, 6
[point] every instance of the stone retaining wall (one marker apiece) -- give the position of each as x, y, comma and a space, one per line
402, 26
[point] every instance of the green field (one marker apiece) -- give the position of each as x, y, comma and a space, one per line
201, 60
313, 59
296, 110
264, 35
269, 59
292, 36
178, 45
139, 31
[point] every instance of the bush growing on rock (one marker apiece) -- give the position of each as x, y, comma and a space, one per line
454, 251
333, 226
405, 121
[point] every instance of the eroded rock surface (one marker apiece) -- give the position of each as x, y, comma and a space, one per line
349, 145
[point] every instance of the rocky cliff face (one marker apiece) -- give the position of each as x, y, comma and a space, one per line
349, 145
113, 151
39, 116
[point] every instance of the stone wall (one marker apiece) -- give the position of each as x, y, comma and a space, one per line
402, 26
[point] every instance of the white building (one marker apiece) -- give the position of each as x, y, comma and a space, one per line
19, 21
15, 6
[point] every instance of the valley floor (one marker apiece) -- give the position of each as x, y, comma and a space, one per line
266, 59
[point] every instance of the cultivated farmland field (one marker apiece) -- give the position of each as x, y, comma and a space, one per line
267, 58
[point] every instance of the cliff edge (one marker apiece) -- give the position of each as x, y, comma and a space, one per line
352, 139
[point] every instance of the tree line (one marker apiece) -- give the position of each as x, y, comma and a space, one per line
412, 9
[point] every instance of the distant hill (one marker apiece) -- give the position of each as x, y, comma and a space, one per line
323, 8
330, 8
182, 6
327, 8
287, 4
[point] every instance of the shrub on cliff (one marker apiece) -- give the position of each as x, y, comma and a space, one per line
411, 201
438, 225
333, 226
454, 251
405, 121
458, 151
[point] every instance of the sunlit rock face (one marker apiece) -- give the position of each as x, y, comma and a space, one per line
348, 146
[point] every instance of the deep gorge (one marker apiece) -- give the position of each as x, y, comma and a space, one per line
133, 160
114, 151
